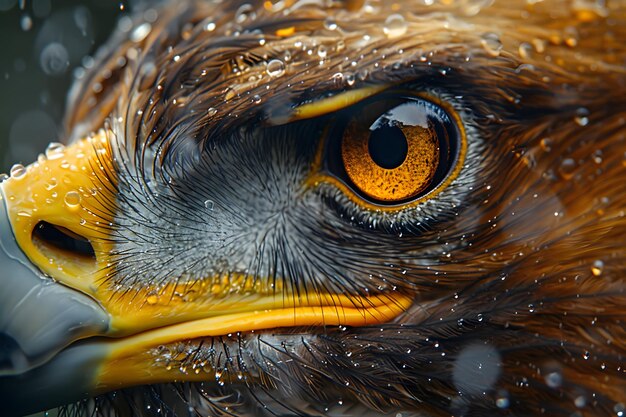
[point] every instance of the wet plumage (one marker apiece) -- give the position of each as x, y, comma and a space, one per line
515, 270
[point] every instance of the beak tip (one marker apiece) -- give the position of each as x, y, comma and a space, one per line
40, 323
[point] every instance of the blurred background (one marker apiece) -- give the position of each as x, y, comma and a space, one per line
44, 44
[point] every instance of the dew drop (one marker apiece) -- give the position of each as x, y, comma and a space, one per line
525, 50
275, 68
539, 45
502, 401
3, 177
51, 184
597, 267
26, 23
582, 118
244, 12
546, 144
152, 298
567, 168
491, 43
620, 409
322, 51
330, 24
256, 99
472, 7
18, 171
141, 32
72, 199
597, 157
209, 204
212, 111
580, 401
571, 36
55, 150
395, 25
554, 379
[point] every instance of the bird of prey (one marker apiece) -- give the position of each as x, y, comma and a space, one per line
325, 207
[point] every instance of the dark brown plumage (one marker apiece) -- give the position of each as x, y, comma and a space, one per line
515, 271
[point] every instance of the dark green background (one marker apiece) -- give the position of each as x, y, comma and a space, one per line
32, 100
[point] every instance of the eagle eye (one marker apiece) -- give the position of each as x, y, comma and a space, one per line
395, 149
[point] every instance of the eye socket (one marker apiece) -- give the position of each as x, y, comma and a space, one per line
394, 150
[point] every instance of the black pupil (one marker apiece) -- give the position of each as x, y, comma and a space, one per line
388, 146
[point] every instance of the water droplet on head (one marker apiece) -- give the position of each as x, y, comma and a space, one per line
571, 36
322, 51
539, 44
525, 50
395, 25
330, 24
275, 68
620, 409
72, 199
140, 32
567, 168
546, 144
55, 150
211, 111
152, 298
491, 43
554, 379
18, 171
244, 12
597, 267
256, 99
472, 7
580, 401
209, 204
597, 156
582, 118
502, 401
51, 184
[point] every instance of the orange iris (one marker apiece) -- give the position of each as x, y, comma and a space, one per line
397, 156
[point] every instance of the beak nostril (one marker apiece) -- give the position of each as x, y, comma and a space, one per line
54, 239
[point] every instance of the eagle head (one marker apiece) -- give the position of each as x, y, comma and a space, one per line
328, 208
